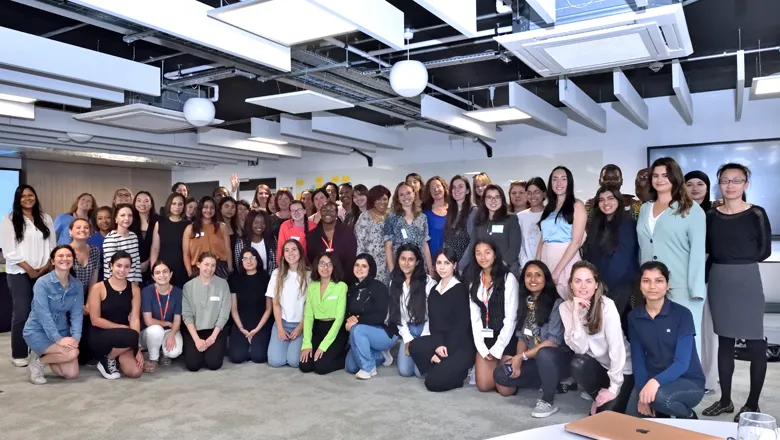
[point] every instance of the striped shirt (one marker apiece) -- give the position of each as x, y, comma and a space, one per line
84, 273
128, 243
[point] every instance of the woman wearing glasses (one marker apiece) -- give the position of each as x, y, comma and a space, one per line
495, 223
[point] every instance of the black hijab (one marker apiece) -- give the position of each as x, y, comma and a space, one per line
701, 175
371, 270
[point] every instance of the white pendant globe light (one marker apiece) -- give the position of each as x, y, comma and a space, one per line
199, 111
408, 78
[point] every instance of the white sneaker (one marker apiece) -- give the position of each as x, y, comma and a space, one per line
20, 362
388, 358
108, 369
543, 409
365, 375
472, 378
35, 369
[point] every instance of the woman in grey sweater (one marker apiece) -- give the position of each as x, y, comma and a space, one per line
205, 311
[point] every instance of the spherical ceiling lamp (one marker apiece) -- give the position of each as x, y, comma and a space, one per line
199, 111
408, 78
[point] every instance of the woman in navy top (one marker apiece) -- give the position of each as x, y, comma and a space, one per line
434, 205
667, 372
161, 304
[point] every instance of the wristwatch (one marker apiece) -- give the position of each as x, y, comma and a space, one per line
525, 358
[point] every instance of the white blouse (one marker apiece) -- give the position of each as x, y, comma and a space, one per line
291, 299
511, 298
403, 327
33, 248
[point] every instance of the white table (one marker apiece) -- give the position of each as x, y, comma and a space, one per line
714, 428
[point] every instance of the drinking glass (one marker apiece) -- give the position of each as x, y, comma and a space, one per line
757, 426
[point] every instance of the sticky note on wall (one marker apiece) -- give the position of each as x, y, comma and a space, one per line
299, 182
334, 179
319, 180
345, 179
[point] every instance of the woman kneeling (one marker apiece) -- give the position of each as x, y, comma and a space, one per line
161, 310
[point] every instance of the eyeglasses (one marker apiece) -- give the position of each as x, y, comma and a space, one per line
248, 259
738, 181
533, 193
325, 264
297, 211
492, 198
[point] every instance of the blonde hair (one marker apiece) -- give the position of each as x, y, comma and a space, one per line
594, 316
284, 269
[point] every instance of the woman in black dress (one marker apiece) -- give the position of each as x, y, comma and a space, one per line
446, 355
144, 222
168, 233
251, 311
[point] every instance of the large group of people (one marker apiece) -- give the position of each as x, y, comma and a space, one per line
539, 291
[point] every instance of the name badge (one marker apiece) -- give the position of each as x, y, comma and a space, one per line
296, 238
329, 250
599, 335
487, 333
333, 297
201, 234
497, 229
404, 234
213, 298
528, 332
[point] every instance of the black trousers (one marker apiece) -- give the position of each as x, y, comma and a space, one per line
212, 358
240, 350
546, 370
21, 287
103, 340
85, 351
336, 355
448, 374
592, 377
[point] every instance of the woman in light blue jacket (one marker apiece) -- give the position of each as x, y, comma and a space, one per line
672, 229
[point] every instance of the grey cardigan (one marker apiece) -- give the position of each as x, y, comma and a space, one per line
206, 306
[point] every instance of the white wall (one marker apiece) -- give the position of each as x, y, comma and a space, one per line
522, 151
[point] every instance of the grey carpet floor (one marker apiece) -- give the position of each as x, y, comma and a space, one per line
258, 402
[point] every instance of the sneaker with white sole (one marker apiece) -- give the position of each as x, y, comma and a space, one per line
543, 409
108, 369
365, 375
388, 358
35, 368
20, 362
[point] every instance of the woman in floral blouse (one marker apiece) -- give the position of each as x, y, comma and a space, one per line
406, 224
369, 230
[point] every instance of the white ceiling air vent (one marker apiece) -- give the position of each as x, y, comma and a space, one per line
141, 117
659, 33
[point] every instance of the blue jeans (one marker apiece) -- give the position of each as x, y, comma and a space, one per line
367, 344
677, 398
406, 366
281, 353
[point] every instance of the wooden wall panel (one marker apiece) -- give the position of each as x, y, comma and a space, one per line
59, 183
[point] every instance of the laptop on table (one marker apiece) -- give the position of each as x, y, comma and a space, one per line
609, 425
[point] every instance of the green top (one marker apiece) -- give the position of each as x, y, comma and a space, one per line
330, 305
206, 306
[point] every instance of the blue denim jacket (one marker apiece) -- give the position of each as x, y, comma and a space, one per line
51, 304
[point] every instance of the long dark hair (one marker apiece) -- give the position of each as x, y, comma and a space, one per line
543, 305
234, 220
197, 221
336, 275
451, 256
255, 254
17, 214
603, 233
498, 272
675, 176
567, 209
483, 215
135, 226
456, 218
418, 298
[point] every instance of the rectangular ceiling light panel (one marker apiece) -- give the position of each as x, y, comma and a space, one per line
341, 126
301, 129
305, 101
291, 22
497, 114
448, 114
140, 117
460, 14
17, 109
188, 20
659, 33
42, 82
33, 95
765, 87
233, 139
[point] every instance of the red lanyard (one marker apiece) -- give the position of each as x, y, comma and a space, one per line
159, 303
486, 301
328, 245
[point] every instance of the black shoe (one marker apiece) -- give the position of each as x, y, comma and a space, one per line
564, 388
744, 409
717, 409
693, 416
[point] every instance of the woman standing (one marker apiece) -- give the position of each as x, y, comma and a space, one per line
345, 192
251, 311
53, 338
308, 203
257, 236
563, 228
207, 234
406, 224
319, 198
287, 289
518, 200
369, 337
446, 355
115, 312
84, 207
739, 236
457, 231
408, 309
494, 223
242, 211
480, 183
359, 204
227, 215
415, 181
121, 238
161, 312
697, 184
260, 200
540, 362
529, 220
494, 298
190, 209
144, 221
592, 329
324, 348
283, 199
122, 196
369, 230
167, 242
294, 229
334, 237
86, 265
205, 311
668, 376
672, 229
611, 245
27, 237
103, 217
434, 207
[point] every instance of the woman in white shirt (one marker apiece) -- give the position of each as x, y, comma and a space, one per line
27, 238
408, 309
287, 288
528, 219
494, 294
592, 329
257, 234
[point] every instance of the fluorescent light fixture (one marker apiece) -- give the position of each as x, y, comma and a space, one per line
267, 140
291, 22
14, 109
448, 114
765, 87
110, 156
41, 95
497, 114
14, 98
472, 173
305, 101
